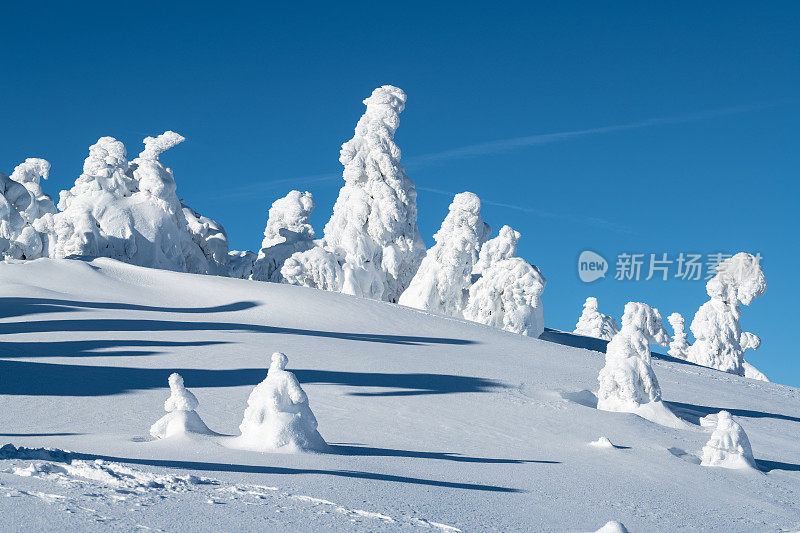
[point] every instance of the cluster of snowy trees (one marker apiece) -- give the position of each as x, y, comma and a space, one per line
278, 417
719, 340
371, 246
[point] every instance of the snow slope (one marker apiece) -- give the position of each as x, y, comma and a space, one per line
433, 422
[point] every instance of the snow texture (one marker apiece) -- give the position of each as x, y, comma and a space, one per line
719, 340
678, 347
593, 323
288, 232
729, 446
25, 211
372, 234
443, 280
278, 417
130, 211
181, 417
508, 296
627, 381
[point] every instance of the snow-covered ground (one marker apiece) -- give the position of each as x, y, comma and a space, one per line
434, 422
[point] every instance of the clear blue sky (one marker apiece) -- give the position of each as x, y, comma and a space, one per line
707, 91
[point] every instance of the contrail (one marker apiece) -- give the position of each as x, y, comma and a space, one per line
506, 145
593, 221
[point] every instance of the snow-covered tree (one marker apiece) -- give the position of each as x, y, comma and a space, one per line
278, 416
129, 211
372, 234
627, 381
504, 246
442, 282
241, 264
181, 417
210, 238
288, 232
25, 211
593, 323
316, 268
752, 372
719, 340
729, 446
508, 296
678, 347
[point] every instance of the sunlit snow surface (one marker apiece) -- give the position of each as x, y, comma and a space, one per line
432, 422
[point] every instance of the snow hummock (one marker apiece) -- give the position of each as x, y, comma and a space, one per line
181, 417
372, 234
627, 381
719, 340
288, 231
752, 372
442, 282
728, 446
278, 417
678, 347
602, 442
612, 527
593, 323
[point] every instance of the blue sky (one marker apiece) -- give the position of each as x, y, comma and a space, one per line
614, 127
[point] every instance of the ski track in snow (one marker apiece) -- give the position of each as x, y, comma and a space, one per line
92, 485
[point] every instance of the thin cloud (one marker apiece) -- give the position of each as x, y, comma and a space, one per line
506, 145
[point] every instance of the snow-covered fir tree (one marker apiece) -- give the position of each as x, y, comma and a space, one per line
372, 234
719, 340
508, 295
210, 237
278, 416
241, 264
129, 211
627, 381
288, 231
678, 347
25, 211
181, 417
593, 323
442, 282
504, 246
728, 446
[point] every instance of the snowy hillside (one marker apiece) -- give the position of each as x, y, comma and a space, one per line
432, 422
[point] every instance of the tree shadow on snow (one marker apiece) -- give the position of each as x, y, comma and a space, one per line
693, 413
48, 379
13, 306
769, 466
123, 324
277, 470
574, 340
361, 450
90, 348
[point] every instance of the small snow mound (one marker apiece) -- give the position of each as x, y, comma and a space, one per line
729, 446
612, 527
602, 442
278, 417
181, 417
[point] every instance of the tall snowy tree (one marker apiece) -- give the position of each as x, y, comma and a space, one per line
593, 323
442, 282
719, 340
678, 347
372, 234
504, 246
25, 211
627, 381
288, 231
